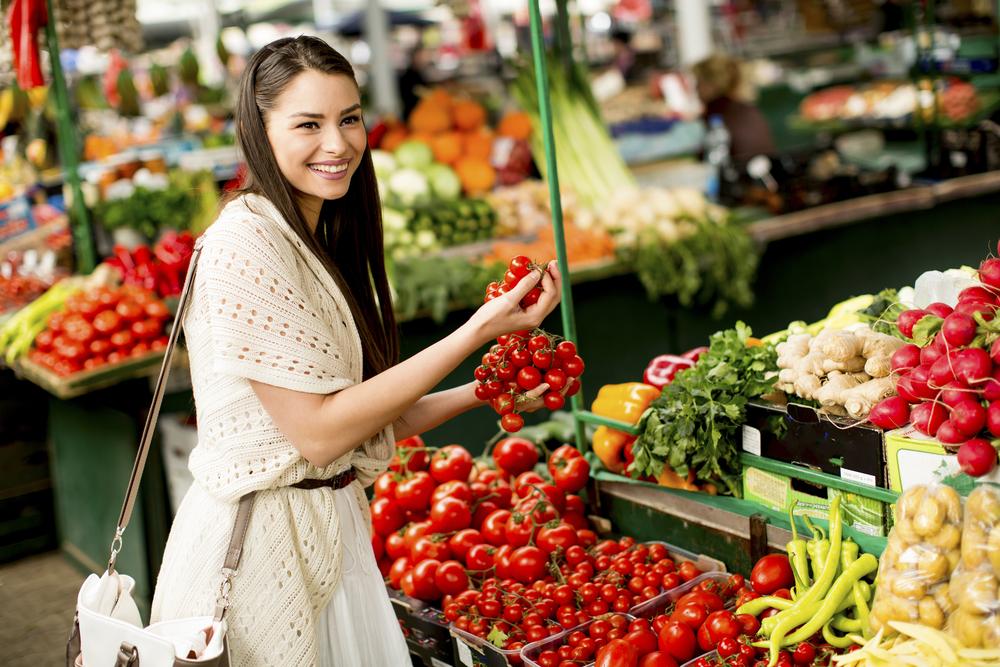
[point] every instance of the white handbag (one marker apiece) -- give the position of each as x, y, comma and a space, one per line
107, 628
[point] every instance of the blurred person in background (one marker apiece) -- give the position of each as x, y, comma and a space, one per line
723, 93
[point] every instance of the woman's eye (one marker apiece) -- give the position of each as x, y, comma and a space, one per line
352, 120
310, 125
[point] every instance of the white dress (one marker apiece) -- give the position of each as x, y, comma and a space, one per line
358, 628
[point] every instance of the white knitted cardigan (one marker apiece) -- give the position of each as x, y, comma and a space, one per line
264, 309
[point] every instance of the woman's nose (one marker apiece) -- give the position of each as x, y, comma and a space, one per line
334, 142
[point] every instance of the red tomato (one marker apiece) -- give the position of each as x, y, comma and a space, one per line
414, 532
106, 322
463, 540
643, 639
378, 547
527, 564
749, 624
617, 653
129, 310
678, 640
723, 624
122, 339
480, 557
515, 455
415, 493
494, 527
426, 547
711, 601
451, 578
705, 639
691, 614
424, 580
157, 310
657, 659
395, 545
386, 517
400, 566
385, 484
520, 529
771, 573
688, 570
525, 482
571, 476
562, 536
418, 460
452, 462
450, 514
452, 489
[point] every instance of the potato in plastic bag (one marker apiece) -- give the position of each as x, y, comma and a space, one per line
975, 582
916, 566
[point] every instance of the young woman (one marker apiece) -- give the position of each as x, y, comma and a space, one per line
293, 350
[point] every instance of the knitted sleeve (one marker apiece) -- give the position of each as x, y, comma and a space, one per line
263, 325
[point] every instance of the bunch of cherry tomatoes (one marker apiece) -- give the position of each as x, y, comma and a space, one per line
103, 326
521, 361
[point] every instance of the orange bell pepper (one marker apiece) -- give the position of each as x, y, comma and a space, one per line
609, 446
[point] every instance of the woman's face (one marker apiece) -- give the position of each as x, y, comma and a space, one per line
317, 136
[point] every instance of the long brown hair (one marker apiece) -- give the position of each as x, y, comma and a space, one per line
348, 238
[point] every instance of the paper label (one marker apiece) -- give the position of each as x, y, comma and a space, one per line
859, 477
464, 654
751, 440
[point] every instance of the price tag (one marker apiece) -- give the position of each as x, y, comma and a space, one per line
859, 477
464, 654
751, 440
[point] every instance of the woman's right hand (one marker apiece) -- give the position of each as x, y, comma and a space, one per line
504, 314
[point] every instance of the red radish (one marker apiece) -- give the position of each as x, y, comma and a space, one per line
931, 353
969, 417
971, 366
976, 293
958, 329
955, 392
989, 272
940, 309
920, 381
890, 413
995, 352
991, 388
904, 387
942, 372
977, 457
928, 417
949, 434
905, 358
993, 419
988, 310
907, 319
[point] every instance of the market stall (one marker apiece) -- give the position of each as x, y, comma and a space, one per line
811, 488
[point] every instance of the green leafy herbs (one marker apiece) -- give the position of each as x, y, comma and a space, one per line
435, 286
883, 311
694, 424
714, 264
184, 204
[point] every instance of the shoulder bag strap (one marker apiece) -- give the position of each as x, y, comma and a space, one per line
154, 410
246, 502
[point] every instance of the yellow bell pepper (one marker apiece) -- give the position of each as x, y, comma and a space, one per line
624, 402
609, 446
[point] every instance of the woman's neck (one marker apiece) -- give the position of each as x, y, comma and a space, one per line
310, 207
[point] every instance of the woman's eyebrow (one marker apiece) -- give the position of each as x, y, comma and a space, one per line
349, 109
306, 114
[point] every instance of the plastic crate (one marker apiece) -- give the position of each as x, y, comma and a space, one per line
709, 655
425, 629
657, 605
531, 651
703, 562
472, 651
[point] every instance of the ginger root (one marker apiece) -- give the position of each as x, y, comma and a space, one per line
860, 400
835, 390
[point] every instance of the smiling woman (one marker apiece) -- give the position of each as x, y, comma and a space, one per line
293, 354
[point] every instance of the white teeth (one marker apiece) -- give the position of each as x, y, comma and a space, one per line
329, 168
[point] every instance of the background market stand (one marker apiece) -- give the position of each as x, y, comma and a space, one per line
818, 247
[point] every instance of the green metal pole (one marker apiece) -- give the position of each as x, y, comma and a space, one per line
79, 220
551, 170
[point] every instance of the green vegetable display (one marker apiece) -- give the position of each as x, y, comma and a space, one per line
715, 264
694, 424
435, 286
188, 202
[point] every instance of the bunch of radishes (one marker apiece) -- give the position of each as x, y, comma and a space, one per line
949, 376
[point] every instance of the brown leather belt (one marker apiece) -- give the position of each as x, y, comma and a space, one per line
336, 482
